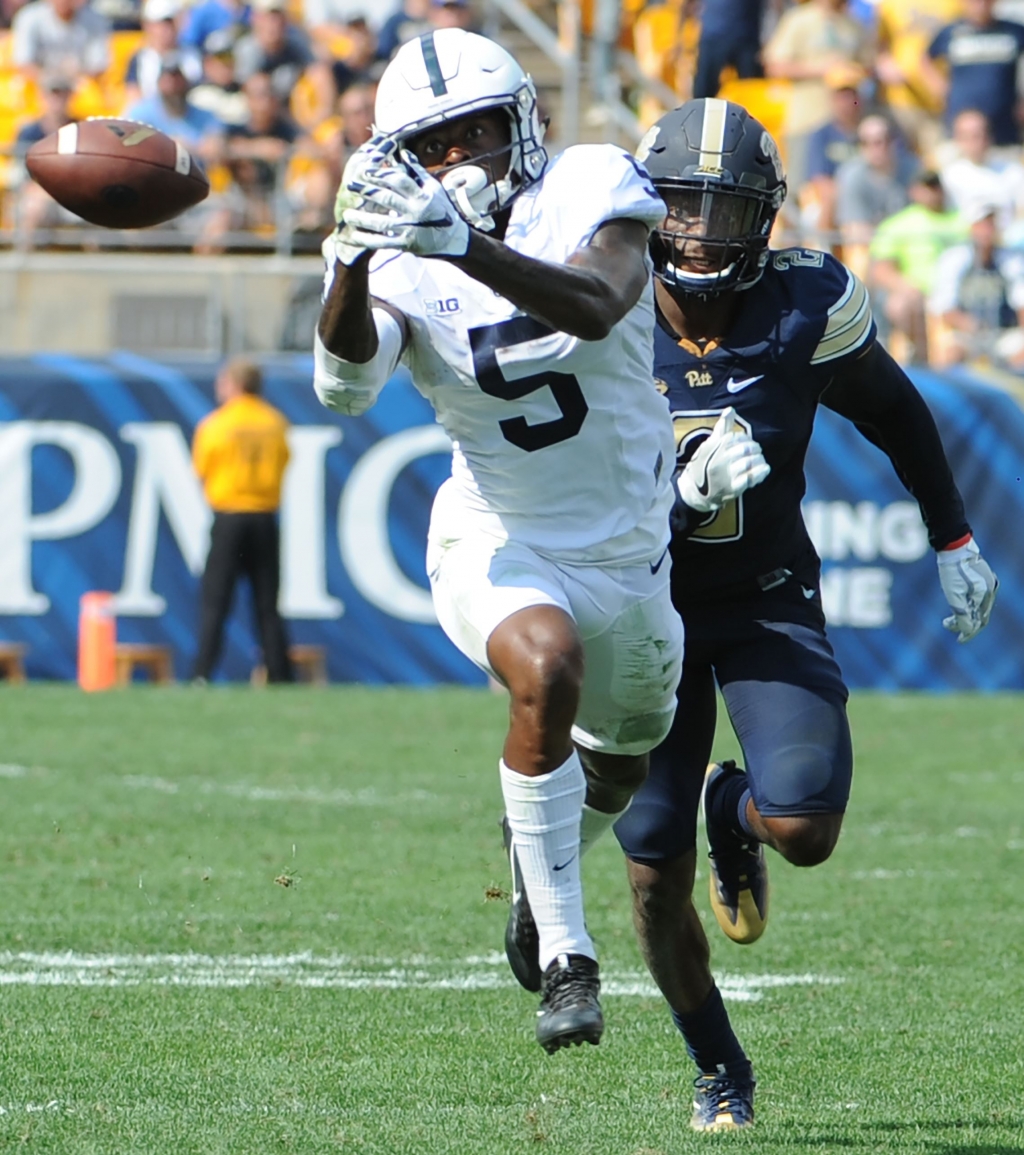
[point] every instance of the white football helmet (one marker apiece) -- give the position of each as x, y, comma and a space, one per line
450, 73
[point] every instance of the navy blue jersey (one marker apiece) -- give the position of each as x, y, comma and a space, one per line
805, 317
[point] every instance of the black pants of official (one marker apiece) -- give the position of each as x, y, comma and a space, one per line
243, 544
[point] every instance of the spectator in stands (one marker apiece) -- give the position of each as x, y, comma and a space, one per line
730, 34
160, 30
313, 185
452, 14
408, 22
240, 453
874, 184
170, 112
981, 55
36, 209
208, 16
829, 146
979, 294
905, 253
60, 36
810, 40
978, 176
905, 30
218, 92
359, 52
256, 151
328, 18
275, 46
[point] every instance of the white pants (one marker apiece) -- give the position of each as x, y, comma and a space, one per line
632, 635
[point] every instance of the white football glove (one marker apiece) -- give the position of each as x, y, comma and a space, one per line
378, 151
406, 209
970, 588
726, 464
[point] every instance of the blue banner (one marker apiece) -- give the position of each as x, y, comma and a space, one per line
97, 493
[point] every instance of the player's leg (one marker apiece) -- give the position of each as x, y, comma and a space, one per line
632, 649
537, 654
218, 586
263, 564
658, 834
506, 609
786, 700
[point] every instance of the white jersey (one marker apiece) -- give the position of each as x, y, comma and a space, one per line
562, 444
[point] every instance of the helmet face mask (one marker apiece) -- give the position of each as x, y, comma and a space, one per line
721, 177
446, 76
482, 184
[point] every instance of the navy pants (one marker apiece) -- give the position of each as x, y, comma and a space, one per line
787, 703
718, 48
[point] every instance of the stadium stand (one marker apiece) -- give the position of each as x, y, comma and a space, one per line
605, 69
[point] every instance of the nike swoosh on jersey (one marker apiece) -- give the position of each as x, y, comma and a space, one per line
656, 565
807, 593
555, 866
735, 386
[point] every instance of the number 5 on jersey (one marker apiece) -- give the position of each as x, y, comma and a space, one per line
485, 341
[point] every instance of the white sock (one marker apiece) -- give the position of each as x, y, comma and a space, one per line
544, 814
594, 823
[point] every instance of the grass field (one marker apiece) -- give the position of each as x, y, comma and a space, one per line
257, 922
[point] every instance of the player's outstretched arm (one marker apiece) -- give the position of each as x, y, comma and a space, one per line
402, 207
880, 399
586, 296
358, 340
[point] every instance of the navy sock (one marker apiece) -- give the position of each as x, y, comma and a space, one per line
741, 813
726, 804
710, 1041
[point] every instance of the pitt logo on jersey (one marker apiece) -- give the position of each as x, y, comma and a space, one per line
695, 379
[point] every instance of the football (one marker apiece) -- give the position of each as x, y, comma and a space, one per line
117, 173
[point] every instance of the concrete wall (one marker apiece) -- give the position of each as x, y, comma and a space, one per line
90, 303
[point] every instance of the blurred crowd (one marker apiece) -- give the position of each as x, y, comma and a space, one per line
900, 122
272, 96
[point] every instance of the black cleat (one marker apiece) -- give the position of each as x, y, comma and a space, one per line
522, 943
569, 1011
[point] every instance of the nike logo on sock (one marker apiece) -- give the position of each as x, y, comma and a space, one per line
735, 386
564, 864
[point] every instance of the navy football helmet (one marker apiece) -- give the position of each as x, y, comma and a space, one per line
720, 174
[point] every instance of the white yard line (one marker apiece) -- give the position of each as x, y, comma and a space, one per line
366, 797
336, 972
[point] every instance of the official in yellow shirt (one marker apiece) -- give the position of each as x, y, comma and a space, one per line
240, 452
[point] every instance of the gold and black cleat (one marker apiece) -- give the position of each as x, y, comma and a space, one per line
722, 1103
738, 885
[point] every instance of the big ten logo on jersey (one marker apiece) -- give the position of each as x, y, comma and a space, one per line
692, 428
443, 307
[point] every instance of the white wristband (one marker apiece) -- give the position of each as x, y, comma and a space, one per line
351, 388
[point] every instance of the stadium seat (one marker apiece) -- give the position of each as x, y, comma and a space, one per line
766, 100
666, 49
